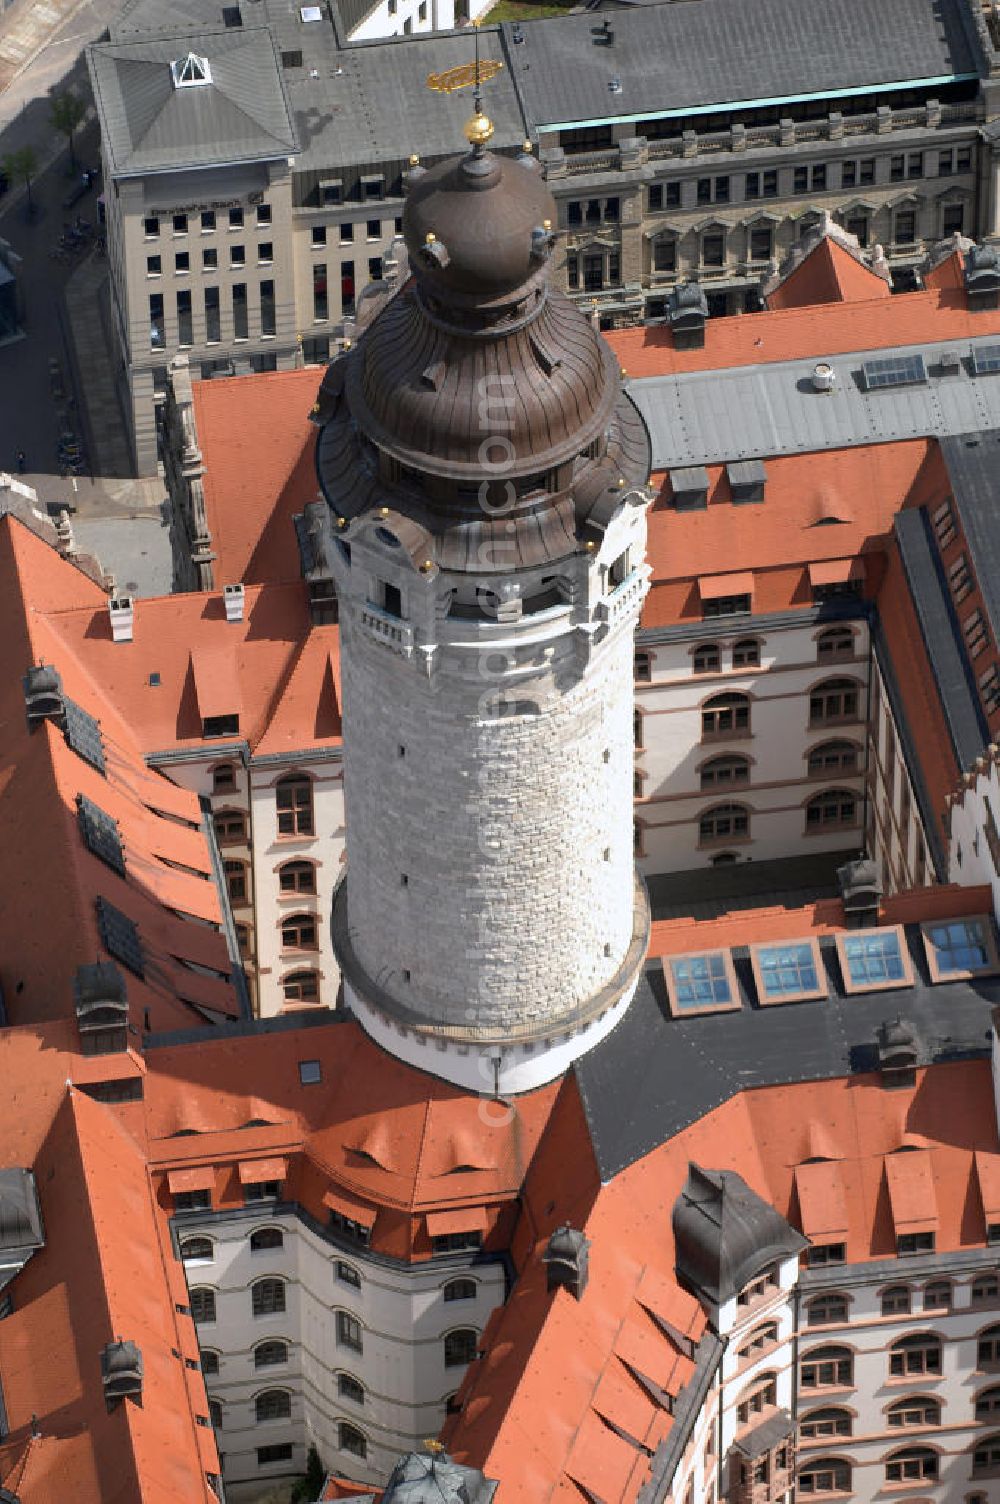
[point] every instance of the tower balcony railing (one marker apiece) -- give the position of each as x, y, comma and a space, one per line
623, 600
387, 629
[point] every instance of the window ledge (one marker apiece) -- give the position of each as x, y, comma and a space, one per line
829, 830
726, 736
902, 1380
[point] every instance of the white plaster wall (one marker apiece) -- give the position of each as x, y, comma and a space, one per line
404, 1316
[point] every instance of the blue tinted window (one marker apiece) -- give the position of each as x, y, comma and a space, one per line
874, 958
700, 981
960, 945
787, 969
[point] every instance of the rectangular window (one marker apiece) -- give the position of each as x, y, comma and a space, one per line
760, 244
346, 231
963, 160
769, 183
375, 268
574, 212
267, 361
347, 293
819, 177
726, 605
185, 323
457, 1242
826, 1253
279, 1451
182, 262
800, 180
349, 1332
264, 1190
319, 235
906, 228
373, 229
704, 983
713, 249
180, 224
704, 191
241, 324
873, 960
946, 163
572, 271
333, 193
154, 266
193, 1201
151, 227
654, 201
213, 321
209, 260
207, 220
848, 174
348, 1275
915, 164
897, 168
265, 253
237, 255
268, 324
791, 970
321, 302
751, 185
157, 330
672, 196
914, 1242
263, 215
867, 172
236, 219
953, 219
959, 948
665, 255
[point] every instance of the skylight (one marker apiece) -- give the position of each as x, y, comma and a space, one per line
100, 833
120, 937
704, 983
957, 948
789, 972
311, 13
191, 71
894, 370
83, 734
874, 960
985, 359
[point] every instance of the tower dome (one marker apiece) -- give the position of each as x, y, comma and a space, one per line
485, 480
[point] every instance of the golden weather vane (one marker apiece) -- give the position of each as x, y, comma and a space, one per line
479, 129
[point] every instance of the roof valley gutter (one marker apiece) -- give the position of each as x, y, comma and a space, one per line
728, 105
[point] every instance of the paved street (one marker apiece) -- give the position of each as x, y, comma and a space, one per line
66, 312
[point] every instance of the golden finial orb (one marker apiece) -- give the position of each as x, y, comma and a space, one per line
430, 238
479, 129
414, 159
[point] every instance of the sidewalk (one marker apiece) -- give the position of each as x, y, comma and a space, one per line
86, 296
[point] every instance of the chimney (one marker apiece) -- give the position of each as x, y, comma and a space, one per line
233, 597
121, 609
898, 1050
861, 892
121, 1372
43, 696
566, 1257
982, 277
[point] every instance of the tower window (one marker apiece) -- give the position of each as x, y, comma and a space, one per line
392, 600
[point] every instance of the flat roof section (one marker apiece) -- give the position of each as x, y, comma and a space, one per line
721, 54
973, 462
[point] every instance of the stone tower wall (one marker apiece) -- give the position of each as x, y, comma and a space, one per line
490, 858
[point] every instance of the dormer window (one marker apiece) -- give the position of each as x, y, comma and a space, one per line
191, 71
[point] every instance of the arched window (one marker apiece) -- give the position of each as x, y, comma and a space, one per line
202, 1301
236, 881
988, 1348
824, 1475
209, 1360
301, 987
829, 1422
215, 1413
298, 932
896, 1301
827, 1310
273, 1404
834, 700
911, 1465
761, 1395
985, 1290
829, 758
266, 1237
986, 1457
706, 658
724, 822
460, 1289
350, 1388
833, 809
916, 1410
351, 1440
834, 645
918, 1353
760, 1339
643, 668
297, 877
223, 778
746, 653
725, 715
196, 1249
270, 1354
293, 798
722, 772
827, 1368
230, 826
988, 1403
937, 1295
350, 1332
460, 1347
267, 1297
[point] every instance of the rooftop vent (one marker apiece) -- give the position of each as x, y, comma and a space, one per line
121, 609
898, 1052
982, 276
310, 13
824, 377
233, 595
615, 84
43, 695
861, 892
687, 312
566, 1258
191, 71
121, 1371
950, 363
100, 1001
518, 34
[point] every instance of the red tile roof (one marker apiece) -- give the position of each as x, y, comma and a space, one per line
258, 448
828, 274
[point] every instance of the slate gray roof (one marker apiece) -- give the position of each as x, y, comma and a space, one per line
676, 59
743, 412
939, 628
973, 463
654, 1074
151, 126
